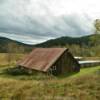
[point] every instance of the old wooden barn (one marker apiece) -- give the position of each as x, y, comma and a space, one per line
50, 60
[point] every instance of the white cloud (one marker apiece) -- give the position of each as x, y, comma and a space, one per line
42, 20
22, 38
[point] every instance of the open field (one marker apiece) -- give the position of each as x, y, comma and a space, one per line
84, 85
4, 58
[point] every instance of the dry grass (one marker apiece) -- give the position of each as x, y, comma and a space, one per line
4, 58
84, 85
79, 86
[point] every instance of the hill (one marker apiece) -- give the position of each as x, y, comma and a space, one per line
89, 40
4, 42
79, 46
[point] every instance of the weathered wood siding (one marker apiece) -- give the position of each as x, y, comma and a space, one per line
66, 63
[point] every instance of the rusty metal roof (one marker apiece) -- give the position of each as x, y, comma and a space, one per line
42, 58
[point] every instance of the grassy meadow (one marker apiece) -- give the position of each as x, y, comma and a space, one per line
84, 85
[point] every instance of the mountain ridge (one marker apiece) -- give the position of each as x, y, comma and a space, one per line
62, 41
4, 42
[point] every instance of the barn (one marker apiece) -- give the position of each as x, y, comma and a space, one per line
50, 60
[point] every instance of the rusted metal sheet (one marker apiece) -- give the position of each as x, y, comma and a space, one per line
89, 63
42, 58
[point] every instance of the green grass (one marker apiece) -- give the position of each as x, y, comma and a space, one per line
86, 71
84, 85
83, 71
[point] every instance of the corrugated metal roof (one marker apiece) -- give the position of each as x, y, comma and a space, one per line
41, 58
89, 61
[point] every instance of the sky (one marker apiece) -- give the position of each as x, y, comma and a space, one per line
35, 21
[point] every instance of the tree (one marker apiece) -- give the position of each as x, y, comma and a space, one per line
12, 50
95, 39
97, 26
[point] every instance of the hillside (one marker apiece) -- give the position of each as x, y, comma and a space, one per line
5, 41
89, 40
79, 46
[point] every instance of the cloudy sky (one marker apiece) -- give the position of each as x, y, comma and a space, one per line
35, 21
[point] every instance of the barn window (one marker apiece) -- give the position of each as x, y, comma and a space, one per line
54, 68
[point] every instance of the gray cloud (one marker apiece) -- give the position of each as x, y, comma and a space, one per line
20, 18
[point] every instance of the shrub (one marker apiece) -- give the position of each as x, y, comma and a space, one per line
16, 71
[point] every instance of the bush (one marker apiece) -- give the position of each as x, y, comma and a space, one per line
26, 74
16, 71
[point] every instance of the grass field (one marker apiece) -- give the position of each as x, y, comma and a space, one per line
84, 85
4, 57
